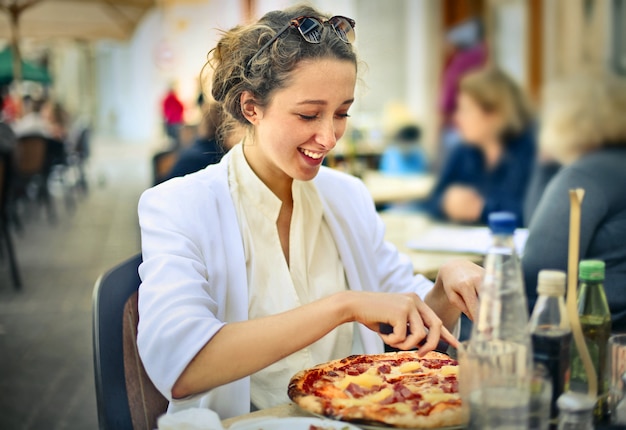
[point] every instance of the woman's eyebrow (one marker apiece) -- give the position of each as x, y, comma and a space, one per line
322, 102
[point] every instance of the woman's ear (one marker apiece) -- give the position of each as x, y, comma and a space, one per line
249, 108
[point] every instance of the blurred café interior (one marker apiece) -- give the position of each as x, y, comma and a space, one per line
104, 99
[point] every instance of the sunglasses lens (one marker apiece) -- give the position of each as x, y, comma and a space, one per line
311, 30
343, 28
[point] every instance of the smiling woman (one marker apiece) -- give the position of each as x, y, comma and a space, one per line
261, 266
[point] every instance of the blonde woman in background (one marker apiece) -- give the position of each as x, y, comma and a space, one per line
490, 171
583, 126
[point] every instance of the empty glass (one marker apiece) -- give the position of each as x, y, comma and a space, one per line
495, 385
540, 398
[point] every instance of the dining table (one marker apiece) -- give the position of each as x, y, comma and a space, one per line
288, 410
285, 410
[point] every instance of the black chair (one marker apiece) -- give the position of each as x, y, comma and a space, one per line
126, 397
78, 152
32, 164
162, 163
5, 234
82, 150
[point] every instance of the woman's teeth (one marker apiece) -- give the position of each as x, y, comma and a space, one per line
311, 154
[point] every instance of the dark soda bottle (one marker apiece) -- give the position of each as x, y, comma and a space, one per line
551, 333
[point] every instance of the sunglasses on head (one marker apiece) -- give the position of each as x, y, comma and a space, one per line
310, 29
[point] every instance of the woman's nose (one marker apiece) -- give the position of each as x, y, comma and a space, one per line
326, 135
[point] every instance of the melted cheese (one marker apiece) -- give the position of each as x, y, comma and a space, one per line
365, 380
366, 400
403, 408
449, 370
410, 366
440, 397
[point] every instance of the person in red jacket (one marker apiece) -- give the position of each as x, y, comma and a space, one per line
172, 114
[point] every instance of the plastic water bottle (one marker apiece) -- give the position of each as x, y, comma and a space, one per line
502, 398
503, 309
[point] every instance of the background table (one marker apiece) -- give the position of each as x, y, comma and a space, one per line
397, 189
403, 227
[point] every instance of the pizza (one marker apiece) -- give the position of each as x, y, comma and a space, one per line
398, 389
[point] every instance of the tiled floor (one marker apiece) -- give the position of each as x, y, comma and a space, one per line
46, 372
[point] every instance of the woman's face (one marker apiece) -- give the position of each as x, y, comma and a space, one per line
475, 124
303, 121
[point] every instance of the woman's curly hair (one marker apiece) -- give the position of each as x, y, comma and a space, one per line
272, 68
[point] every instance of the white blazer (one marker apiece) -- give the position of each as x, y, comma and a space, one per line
194, 271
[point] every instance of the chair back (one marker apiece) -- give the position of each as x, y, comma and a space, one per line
126, 397
82, 148
5, 235
6, 166
162, 163
30, 155
3, 169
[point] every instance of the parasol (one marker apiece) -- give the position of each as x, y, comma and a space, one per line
82, 19
30, 71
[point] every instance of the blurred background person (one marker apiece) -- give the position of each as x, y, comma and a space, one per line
465, 50
583, 127
173, 110
216, 135
9, 109
543, 171
7, 138
56, 118
32, 122
403, 154
490, 170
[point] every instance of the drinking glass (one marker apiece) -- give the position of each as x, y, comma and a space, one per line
540, 398
494, 383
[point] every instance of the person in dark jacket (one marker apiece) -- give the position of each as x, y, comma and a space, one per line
583, 127
215, 138
490, 171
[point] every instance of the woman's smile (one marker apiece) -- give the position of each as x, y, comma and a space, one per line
312, 157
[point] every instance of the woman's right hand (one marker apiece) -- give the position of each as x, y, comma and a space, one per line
404, 312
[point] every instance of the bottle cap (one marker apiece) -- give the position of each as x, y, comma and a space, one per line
591, 270
502, 222
575, 402
551, 283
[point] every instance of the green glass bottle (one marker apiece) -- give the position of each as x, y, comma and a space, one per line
595, 319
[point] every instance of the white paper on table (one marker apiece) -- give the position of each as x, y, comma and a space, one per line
462, 240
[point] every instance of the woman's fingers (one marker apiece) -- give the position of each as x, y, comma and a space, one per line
449, 337
436, 328
461, 280
418, 332
403, 321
